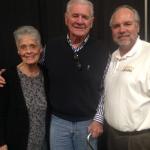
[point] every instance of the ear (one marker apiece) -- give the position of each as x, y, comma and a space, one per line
92, 20
138, 28
66, 18
41, 50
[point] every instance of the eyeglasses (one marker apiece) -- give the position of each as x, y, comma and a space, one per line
77, 61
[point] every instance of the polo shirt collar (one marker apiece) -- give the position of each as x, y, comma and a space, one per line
136, 47
81, 45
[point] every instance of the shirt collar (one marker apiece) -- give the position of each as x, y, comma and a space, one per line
81, 45
136, 47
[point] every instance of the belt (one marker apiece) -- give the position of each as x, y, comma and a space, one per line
124, 133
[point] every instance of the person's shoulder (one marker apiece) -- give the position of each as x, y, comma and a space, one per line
98, 42
145, 43
54, 44
101, 45
146, 48
42, 67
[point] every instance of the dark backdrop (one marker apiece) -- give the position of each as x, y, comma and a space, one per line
48, 17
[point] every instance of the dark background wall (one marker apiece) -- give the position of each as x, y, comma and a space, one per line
48, 17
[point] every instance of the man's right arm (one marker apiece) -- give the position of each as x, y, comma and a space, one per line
2, 80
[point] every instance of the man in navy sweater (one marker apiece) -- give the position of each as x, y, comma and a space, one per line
75, 65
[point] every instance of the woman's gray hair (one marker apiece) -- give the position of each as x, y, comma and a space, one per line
135, 12
27, 30
85, 2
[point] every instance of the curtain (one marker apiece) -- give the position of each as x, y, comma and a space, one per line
48, 17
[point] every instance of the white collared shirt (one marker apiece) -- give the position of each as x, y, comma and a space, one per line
127, 89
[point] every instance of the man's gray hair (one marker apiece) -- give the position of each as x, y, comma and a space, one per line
27, 30
135, 12
85, 2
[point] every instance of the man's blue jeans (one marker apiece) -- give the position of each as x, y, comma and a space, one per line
66, 135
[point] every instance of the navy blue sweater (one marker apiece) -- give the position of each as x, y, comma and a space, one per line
74, 94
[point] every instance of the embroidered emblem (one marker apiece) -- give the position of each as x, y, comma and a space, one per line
128, 68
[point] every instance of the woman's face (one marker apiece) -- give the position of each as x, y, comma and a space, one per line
29, 50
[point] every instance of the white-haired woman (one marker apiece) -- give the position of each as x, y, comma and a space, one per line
23, 101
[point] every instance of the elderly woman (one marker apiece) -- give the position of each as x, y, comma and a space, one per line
23, 102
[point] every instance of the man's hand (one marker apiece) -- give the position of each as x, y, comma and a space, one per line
2, 80
95, 128
4, 147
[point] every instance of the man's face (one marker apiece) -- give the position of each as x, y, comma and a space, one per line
79, 20
124, 28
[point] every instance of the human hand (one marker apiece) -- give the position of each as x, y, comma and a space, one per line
95, 128
4, 147
2, 80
